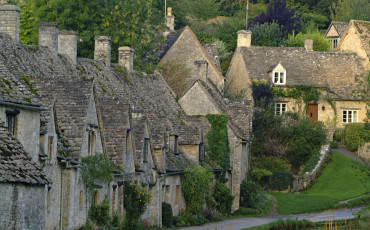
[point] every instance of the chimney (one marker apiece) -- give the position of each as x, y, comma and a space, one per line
244, 38
308, 44
10, 21
170, 22
103, 46
126, 57
67, 45
48, 36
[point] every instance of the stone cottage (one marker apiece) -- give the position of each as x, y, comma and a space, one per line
356, 39
288, 67
201, 96
335, 33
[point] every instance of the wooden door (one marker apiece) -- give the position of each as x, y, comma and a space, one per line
312, 112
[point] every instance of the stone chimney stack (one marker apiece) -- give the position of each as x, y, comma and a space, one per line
67, 45
103, 47
308, 44
10, 21
170, 22
244, 38
48, 36
126, 57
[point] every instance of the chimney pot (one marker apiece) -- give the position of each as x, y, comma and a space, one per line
170, 22
67, 45
103, 46
126, 57
10, 21
244, 38
48, 36
308, 44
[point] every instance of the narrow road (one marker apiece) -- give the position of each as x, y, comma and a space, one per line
350, 154
238, 224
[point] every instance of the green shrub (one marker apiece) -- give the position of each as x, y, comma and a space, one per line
291, 224
135, 200
320, 42
223, 198
273, 164
339, 134
247, 211
354, 135
177, 221
167, 215
99, 214
312, 162
195, 186
334, 144
267, 34
248, 191
281, 181
193, 219
261, 176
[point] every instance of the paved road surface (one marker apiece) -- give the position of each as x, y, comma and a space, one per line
248, 222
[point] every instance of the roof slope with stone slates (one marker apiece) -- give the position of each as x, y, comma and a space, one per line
363, 29
320, 69
340, 27
16, 166
212, 52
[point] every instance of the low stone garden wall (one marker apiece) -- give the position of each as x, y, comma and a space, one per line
364, 152
301, 182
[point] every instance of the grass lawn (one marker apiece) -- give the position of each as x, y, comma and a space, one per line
341, 179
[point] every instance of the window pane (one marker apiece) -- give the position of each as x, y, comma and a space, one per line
354, 118
344, 116
349, 116
281, 77
277, 108
276, 79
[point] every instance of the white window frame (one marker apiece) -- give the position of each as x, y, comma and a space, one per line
333, 44
280, 108
350, 116
281, 78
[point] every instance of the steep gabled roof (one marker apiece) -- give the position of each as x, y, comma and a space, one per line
363, 29
212, 52
336, 71
340, 27
16, 165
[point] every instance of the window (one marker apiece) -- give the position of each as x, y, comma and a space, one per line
50, 146
201, 152
97, 198
91, 142
176, 144
350, 116
280, 108
48, 200
145, 150
333, 44
127, 147
81, 199
114, 199
279, 78
11, 121
177, 194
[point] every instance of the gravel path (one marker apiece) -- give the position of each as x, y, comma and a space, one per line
238, 224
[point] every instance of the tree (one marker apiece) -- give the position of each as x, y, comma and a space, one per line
280, 13
267, 34
204, 9
320, 42
345, 10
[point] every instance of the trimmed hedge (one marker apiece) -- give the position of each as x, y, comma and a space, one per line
223, 198
281, 181
167, 216
354, 135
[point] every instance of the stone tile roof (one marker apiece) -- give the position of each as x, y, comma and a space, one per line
340, 27
212, 52
138, 126
304, 68
363, 29
16, 166
14, 83
176, 163
170, 40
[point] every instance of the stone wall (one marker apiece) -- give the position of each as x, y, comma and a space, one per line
364, 152
23, 207
301, 182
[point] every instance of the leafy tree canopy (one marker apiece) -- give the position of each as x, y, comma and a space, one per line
345, 10
279, 12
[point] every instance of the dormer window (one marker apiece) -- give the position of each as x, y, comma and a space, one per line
11, 120
279, 78
333, 44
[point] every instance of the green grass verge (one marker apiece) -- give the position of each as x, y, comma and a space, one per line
343, 178
264, 212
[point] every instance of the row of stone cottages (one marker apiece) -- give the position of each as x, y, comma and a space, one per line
57, 109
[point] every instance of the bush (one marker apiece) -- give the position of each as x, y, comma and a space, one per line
312, 162
273, 164
354, 135
261, 176
167, 215
320, 42
99, 214
267, 34
291, 224
193, 219
223, 198
248, 191
281, 181
195, 186
339, 135
247, 211
334, 144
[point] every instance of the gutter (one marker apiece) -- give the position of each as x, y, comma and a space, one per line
22, 106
